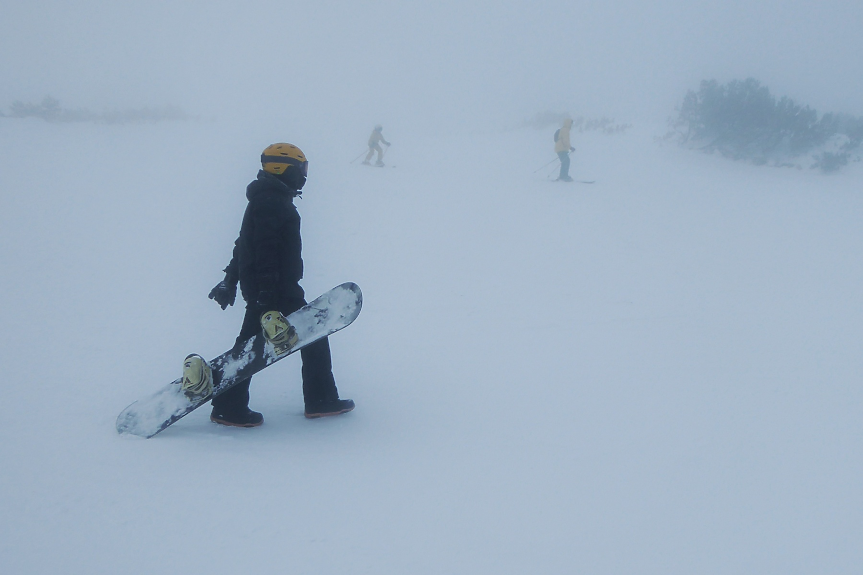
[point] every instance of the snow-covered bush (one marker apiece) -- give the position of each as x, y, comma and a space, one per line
48, 109
605, 125
744, 121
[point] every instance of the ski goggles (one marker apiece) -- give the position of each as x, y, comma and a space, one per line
284, 161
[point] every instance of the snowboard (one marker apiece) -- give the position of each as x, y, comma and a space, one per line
331, 312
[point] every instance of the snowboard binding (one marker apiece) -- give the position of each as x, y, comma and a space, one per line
197, 380
278, 331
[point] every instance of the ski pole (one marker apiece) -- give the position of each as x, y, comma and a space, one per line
544, 165
358, 157
550, 172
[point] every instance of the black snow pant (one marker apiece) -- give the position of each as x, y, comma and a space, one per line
564, 165
318, 381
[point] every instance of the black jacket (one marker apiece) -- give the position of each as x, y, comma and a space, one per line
268, 252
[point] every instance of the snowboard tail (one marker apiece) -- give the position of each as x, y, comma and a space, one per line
331, 312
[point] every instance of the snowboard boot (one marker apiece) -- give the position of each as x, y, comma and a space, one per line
318, 409
243, 418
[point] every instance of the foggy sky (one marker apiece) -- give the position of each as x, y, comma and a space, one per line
458, 61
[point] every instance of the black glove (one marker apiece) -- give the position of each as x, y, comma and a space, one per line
225, 293
571, 149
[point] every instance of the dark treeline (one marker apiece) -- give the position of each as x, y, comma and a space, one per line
49, 109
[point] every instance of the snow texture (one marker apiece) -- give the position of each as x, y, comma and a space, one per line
146, 416
232, 367
658, 373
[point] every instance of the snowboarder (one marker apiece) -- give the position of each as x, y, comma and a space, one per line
375, 141
563, 148
268, 265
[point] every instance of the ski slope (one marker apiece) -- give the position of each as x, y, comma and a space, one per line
656, 374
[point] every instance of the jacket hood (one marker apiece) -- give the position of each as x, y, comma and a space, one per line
267, 182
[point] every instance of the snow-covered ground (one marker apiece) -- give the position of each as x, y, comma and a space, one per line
659, 373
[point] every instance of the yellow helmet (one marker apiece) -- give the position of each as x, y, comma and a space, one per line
278, 157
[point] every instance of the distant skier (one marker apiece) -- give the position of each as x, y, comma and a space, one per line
375, 141
563, 147
268, 265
